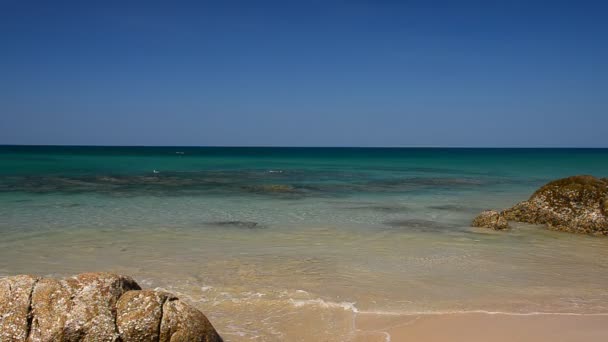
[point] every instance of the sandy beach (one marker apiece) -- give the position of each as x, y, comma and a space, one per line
482, 327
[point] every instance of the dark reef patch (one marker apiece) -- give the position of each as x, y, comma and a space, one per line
420, 225
380, 208
289, 184
235, 224
454, 207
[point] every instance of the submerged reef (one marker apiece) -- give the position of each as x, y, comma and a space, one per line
95, 307
577, 204
420, 225
287, 184
235, 224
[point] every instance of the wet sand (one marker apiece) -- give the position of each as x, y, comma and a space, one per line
304, 283
481, 327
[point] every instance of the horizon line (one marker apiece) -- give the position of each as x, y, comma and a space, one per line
296, 146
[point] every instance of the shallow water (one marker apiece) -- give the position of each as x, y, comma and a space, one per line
293, 244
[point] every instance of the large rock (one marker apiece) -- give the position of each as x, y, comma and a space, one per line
181, 322
491, 219
160, 316
139, 315
95, 307
51, 302
15, 307
81, 308
577, 204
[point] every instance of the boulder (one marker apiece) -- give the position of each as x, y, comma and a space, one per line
491, 219
81, 308
15, 307
181, 322
160, 316
139, 315
51, 303
577, 204
95, 307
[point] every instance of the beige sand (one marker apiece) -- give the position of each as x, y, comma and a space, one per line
482, 327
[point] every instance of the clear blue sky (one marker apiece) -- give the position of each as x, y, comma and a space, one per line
306, 73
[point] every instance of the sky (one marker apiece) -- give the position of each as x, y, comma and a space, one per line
305, 73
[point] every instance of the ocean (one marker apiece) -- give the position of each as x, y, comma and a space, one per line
295, 243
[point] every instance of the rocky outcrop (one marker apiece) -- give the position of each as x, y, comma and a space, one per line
95, 307
15, 307
139, 314
491, 219
182, 322
577, 204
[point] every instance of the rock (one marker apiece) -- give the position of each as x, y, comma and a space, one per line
160, 316
577, 204
81, 308
95, 307
139, 315
182, 322
94, 297
51, 302
15, 307
491, 219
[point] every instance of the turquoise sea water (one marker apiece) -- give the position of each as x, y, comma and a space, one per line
261, 238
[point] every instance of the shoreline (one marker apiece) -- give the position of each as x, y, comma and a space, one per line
474, 312
478, 326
